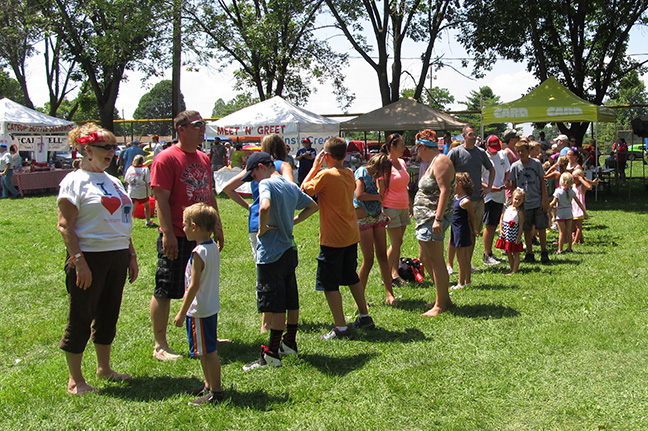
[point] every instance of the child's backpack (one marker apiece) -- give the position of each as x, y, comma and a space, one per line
410, 269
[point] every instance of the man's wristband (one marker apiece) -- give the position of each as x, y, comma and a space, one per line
76, 257
440, 221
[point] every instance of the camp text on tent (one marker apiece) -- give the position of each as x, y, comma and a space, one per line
523, 112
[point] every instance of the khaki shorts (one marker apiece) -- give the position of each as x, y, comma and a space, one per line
398, 217
478, 211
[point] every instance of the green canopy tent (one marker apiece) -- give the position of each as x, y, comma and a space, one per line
549, 102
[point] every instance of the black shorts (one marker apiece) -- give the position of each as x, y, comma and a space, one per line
492, 213
276, 288
169, 275
336, 266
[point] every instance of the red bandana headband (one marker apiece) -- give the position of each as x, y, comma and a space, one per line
91, 138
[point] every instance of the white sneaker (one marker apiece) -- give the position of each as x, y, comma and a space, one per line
266, 360
450, 271
456, 287
474, 270
285, 350
490, 260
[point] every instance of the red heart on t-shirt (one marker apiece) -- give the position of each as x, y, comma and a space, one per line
112, 204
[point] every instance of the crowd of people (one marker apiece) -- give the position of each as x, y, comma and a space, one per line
460, 188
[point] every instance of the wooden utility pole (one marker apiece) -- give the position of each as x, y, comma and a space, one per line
177, 52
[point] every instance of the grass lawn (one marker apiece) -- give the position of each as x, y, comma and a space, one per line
561, 346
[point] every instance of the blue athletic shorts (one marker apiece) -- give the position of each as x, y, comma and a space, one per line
203, 335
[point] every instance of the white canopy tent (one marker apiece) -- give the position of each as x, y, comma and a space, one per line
276, 115
31, 130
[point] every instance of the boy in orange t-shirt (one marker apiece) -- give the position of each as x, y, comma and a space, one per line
339, 236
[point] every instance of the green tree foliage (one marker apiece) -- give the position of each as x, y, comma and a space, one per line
392, 24
10, 88
436, 97
82, 109
478, 99
631, 91
19, 31
156, 104
22, 25
222, 108
107, 39
60, 74
271, 42
582, 43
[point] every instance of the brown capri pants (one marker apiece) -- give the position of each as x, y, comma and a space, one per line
94, 311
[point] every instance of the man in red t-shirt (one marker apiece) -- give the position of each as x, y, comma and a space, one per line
180, 176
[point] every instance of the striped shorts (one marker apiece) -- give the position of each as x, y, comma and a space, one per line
203, 335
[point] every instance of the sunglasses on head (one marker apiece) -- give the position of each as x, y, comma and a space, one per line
395, 136
106, 147
197, 124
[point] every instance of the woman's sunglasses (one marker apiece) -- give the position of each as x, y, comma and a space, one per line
106, 147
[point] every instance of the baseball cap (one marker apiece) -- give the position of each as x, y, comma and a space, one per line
562, 138
306, 140
253, 161
494, 143
3, 145
511, 133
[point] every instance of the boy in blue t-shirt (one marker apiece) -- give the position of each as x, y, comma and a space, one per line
201, 303
276, 256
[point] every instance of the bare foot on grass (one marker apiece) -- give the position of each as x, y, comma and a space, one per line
435, 311
113, 376
433, 303
80, 388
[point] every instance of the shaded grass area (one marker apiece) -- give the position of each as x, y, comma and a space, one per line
559, 347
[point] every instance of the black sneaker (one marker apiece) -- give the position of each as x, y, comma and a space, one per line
544, 257
335, 333
363, 323
198, 392
210, 398
529, 258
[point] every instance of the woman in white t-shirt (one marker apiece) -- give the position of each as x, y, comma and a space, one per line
138, 179
95, 220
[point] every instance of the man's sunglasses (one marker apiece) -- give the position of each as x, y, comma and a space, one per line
106, 147
197, 124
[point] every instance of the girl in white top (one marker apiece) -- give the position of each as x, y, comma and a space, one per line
562, 201
138, 179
